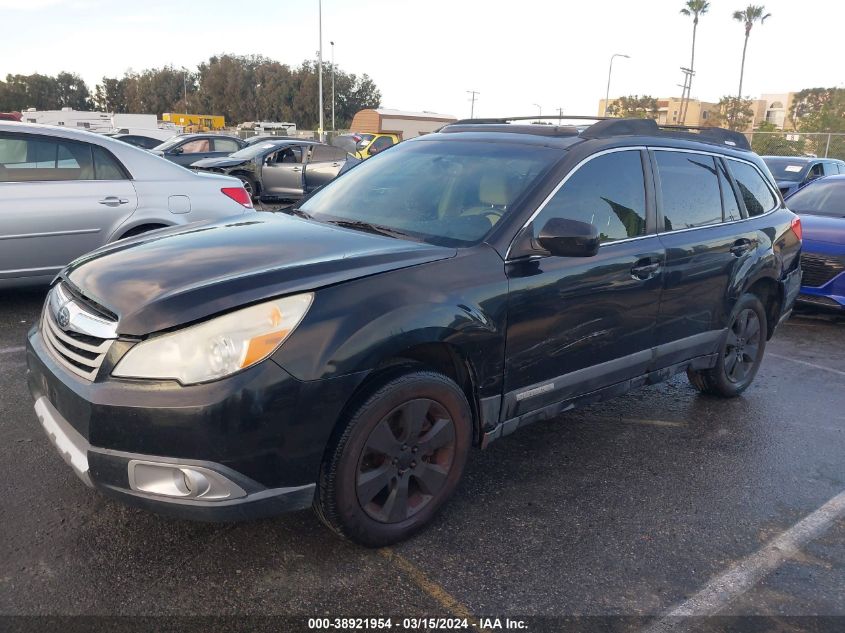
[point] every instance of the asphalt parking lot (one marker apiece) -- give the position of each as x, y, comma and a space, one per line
627, 508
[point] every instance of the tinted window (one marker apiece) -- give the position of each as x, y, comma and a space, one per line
690, 190
825, 197
105, 166
442, 192
756, 195
325, 153
382, 142
35, 159
225, 145
730, 206
607, 192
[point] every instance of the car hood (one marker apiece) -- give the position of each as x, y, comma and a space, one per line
172, 277
223, 161
820, 228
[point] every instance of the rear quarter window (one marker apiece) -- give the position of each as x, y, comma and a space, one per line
753, 188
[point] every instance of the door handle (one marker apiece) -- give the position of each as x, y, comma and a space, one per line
296, 169
645, 269
113, 201
741, 247
335, 164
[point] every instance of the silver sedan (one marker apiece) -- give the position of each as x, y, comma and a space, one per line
66, 192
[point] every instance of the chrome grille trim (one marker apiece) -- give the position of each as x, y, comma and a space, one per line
81, 357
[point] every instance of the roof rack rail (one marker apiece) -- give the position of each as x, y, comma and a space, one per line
605, 127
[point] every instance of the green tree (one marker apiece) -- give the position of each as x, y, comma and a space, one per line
634, 106
735, 114
749, 16
693, 8
71, 92
819, 110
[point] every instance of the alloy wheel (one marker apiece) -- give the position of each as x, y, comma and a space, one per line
743, 345
406, 460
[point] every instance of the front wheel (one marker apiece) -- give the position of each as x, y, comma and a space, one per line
398, 460
740, 354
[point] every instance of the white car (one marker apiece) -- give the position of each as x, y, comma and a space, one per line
66, 192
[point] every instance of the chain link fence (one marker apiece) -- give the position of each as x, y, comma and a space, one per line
819, 144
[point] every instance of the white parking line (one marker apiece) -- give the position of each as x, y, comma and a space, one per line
808, 364
720, 591
12, 350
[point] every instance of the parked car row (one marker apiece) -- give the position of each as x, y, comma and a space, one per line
348, 353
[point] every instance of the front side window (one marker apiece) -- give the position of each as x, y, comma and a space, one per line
442, 192
756, 194
607, 192
288, 155
689, 189
25, 159
198, 146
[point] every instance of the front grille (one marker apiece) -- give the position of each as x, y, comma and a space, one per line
820, 269
81, 353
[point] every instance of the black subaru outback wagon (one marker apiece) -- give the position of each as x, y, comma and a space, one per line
437, 297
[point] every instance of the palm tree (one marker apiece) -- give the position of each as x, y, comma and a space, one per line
752, 14
693, 8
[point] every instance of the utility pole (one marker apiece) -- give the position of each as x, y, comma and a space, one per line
560, 112
539, 111
320, 69
185, 86
474, 94
333, 127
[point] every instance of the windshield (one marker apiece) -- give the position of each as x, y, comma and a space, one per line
822, 197
788, 169
251, 151
444, 192
346, 142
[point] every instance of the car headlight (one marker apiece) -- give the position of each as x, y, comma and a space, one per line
219, 347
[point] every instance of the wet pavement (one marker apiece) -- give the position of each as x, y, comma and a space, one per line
622, 508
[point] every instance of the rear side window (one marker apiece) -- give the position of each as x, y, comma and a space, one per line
756, 194
607, 192
689, 190
326, 153
225, 145
35, 159
106, 166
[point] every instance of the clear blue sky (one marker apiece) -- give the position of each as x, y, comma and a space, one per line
424, 55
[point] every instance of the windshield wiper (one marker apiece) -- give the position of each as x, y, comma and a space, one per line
297, 212
369, 227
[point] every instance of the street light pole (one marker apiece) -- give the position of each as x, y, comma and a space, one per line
474, 94
333, 127
185, 86
539, 112
609, 71
320, 63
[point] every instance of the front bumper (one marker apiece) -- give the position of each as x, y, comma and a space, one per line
246, 446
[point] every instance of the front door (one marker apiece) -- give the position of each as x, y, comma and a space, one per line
579, 324
59, 199
281, 174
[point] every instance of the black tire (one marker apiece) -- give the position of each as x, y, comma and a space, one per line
367, 473
740, 353
250, 186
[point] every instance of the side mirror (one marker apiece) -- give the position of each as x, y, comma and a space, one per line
176, 150
569, 238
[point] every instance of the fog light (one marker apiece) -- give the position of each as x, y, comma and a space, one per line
181, 481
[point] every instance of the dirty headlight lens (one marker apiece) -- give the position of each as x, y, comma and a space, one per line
219, 347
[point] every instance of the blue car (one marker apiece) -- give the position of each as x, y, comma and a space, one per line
793, 172
821, 205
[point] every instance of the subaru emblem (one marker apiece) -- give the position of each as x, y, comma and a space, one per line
63, 317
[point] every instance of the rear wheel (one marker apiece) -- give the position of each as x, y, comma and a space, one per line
398, 460
249, 185
740, 354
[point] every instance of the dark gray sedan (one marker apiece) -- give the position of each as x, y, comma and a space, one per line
186, 149
281, 169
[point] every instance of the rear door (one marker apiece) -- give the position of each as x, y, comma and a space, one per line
707, 246
324, 164
281, 174
59, 199
579, 324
